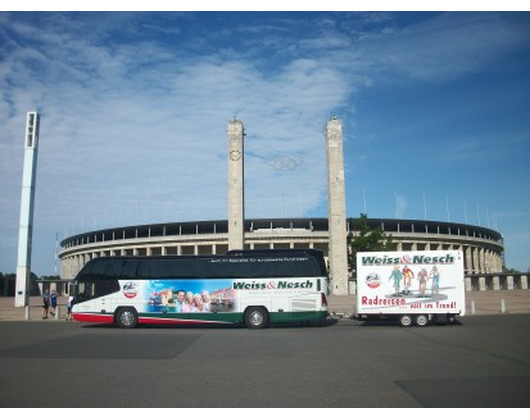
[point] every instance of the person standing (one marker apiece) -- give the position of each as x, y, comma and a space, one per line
69, 308
53, 299
45, 304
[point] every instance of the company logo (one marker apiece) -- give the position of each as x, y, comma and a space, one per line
407, 259
373, 281
272, 284
129, 290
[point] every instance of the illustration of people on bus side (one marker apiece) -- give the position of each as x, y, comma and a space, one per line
397, 275
434, 275
163, 298
423, 276
206, 300
179, 300
408, 275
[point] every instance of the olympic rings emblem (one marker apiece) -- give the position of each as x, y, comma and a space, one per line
286, 162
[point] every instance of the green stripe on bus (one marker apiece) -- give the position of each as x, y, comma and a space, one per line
274, 317
279, 317
217, 317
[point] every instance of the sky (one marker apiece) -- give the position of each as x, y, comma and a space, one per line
135, 107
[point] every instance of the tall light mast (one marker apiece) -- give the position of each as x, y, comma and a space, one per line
25, 232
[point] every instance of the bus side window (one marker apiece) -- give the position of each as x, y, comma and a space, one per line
101, 270
144, 270
109, 273
118, 268
98, 270
158, 270
129, 270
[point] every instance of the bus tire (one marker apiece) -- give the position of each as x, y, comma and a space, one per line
127, 318
405, 320
256, 317
422, 320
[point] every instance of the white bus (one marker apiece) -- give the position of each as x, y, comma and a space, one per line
255, 288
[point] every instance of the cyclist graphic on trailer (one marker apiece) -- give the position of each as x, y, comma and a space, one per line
408, 275
397, 276
435, 277
422, 278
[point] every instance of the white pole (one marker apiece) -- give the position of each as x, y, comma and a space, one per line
25, 232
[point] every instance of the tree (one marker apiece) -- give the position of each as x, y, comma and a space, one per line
364, 238
7, 284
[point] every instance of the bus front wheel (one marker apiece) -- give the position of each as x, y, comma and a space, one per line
127, 318
256, 317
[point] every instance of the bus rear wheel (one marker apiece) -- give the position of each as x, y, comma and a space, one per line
127, 318
256, 317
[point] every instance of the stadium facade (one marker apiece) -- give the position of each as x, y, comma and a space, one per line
482, 247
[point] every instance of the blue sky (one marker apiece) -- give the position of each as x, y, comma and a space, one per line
135, 109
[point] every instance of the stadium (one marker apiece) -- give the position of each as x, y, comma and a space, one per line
482, 247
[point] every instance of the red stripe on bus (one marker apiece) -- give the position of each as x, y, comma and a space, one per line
106, 318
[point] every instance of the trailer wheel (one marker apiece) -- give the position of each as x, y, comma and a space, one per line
422, 320
405, 320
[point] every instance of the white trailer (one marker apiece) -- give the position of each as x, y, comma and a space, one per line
413, 287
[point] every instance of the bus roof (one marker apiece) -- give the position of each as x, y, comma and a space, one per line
237, 263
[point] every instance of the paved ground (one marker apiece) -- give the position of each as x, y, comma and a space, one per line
481, 361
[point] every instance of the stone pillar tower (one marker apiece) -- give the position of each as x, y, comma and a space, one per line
236, 196
338, 250
25, 231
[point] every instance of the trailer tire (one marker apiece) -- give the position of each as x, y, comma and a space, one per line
422, 320
405, 320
